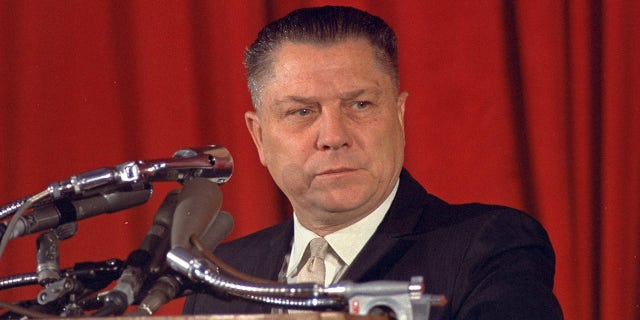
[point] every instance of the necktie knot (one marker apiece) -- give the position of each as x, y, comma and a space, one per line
318, 247
313, 270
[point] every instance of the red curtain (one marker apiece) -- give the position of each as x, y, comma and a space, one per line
531, 104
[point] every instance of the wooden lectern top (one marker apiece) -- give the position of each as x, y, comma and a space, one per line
295, 316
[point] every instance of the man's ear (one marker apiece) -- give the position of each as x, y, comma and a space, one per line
255, 129
400, 104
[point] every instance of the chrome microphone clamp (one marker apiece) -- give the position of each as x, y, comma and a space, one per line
412, 304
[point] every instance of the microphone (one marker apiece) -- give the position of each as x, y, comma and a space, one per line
194, 208
198, 204
47, 254
64, 210
211, 162
139, 262
218, 230
171, 285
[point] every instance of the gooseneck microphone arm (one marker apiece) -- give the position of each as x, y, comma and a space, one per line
299, 295
407, 300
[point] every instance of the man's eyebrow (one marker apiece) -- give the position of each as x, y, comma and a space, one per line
312, 99
352, 94
298, 99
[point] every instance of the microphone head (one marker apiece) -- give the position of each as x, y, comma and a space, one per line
197, 206
217, 231
213, 162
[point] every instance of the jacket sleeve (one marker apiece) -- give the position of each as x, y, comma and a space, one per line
507, 271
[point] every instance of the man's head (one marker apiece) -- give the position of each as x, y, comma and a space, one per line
329, 125
323, 25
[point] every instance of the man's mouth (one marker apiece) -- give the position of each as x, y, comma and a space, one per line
335, 171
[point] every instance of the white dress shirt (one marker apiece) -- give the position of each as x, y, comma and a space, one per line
345, 244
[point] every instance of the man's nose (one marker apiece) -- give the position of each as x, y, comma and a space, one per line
334, 131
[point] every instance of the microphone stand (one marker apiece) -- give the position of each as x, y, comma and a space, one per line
63, 289
68, 292
69, 295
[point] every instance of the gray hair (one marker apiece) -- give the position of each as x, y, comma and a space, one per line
322, 25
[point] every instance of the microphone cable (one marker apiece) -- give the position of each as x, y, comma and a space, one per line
224, 266
14, 220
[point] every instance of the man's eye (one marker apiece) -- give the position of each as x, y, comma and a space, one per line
361, 104
300, 112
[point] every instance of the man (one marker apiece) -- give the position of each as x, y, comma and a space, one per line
329, 126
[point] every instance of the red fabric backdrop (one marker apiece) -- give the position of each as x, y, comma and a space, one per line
532, 104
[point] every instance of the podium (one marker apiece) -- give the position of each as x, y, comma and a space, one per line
294, 316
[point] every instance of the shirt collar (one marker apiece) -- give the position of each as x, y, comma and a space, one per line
347, 242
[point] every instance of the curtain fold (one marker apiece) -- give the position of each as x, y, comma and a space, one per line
531, 104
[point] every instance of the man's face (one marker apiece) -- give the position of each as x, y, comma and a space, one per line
330, 130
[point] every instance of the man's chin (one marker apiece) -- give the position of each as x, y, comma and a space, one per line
341, 204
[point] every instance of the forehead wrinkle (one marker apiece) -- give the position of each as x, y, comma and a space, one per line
295, 98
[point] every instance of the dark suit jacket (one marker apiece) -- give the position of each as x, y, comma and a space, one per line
490, 262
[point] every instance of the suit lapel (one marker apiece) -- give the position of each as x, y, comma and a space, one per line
393, 237
268, 263
278, 248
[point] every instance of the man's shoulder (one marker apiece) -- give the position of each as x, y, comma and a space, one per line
473, 219
483, 211
437, 213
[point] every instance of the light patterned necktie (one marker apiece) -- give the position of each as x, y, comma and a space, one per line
313, 270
